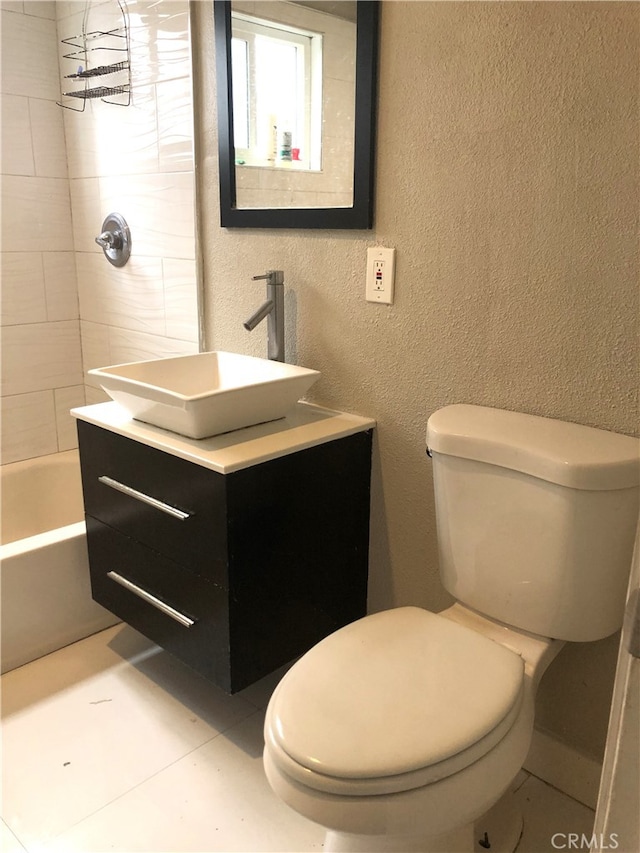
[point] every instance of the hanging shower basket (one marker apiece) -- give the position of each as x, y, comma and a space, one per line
97, 46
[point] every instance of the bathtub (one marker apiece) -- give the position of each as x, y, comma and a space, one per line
45, 595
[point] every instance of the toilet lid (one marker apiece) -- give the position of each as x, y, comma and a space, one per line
392, 693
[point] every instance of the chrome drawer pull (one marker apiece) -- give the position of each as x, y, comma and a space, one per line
147, 499
151, 599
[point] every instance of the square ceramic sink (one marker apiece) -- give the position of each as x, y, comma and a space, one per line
208, 393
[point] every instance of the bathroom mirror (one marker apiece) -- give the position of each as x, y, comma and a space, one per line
296, 86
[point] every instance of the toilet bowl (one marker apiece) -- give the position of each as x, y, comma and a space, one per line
434, 753
401, 730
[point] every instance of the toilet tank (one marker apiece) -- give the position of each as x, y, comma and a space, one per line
536, 518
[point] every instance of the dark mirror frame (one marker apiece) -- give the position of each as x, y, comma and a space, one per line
360, 215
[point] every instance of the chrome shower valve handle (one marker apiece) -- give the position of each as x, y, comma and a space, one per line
110, 240
115, 240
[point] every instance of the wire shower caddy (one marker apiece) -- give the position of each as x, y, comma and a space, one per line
90, 44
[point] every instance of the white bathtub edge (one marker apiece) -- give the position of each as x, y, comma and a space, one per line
46, 595
42, 540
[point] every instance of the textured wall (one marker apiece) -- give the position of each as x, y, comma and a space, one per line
507, 179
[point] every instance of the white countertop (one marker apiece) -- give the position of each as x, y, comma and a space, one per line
305, 426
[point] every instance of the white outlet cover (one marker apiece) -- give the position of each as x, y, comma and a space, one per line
381, 263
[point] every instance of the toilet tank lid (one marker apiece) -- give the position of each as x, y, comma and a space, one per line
568, 454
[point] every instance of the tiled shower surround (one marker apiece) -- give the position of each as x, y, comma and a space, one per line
65, 309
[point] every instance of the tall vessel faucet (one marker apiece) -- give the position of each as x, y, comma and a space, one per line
273, 310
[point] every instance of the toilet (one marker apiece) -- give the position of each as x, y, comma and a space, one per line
402, 731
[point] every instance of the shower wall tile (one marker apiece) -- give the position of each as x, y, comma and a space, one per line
66, 399
61, 285
17, 150
75, 16
181, 299
28, 426
8, 841
129, 297
136, 346
41, 356
159, 210
95, 349
103, 345
339, 50
65, 9
47, 132
36, 214
89, 210
95, 395
23, 37
137, 161
337, 100
124, 143
41, 9
175, 125
167, 204
41, 336
23, 297
160, 39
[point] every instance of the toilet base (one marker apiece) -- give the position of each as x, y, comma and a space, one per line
498, 830
460, 841
501, 827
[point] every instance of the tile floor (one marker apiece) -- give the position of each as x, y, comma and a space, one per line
112, 745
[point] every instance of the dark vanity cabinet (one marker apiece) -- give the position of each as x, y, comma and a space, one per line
233, 573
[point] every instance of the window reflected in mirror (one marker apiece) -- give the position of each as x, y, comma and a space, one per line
277, 94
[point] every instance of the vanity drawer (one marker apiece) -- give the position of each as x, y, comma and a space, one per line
175, 507
185, 614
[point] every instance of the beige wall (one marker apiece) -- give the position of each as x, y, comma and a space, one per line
507, 180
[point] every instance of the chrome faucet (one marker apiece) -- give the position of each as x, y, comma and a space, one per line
273, 310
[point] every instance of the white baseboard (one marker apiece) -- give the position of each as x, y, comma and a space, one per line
564, 767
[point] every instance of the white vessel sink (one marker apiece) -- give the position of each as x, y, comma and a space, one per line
208, 393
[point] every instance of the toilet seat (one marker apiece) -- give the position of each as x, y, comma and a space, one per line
438, 696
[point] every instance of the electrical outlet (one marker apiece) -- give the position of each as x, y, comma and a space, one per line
380, 274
